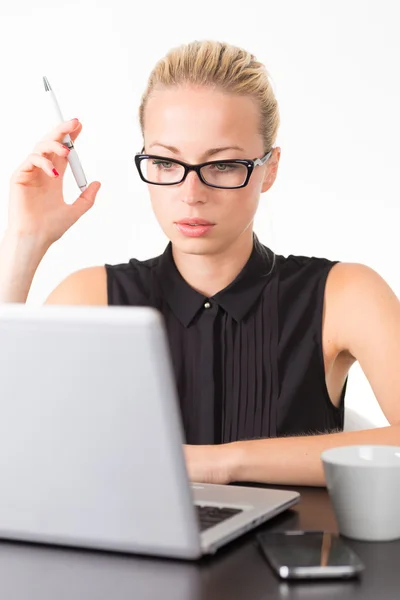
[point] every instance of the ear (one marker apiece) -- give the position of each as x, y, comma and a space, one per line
271, 169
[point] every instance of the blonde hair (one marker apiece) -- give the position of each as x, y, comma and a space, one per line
222, 66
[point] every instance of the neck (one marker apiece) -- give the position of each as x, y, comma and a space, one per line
208, 274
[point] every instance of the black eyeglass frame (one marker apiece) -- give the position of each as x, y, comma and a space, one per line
250, 164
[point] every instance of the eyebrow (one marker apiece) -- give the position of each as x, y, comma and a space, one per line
209, 153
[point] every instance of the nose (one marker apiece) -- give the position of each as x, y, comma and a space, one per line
193, 190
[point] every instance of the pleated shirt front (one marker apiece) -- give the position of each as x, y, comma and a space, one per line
248, 361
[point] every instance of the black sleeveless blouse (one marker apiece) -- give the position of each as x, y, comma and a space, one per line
248, 361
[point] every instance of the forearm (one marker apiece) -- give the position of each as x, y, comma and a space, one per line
297, 460
20, 256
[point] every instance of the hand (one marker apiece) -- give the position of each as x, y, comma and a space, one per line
36, 204
210, 464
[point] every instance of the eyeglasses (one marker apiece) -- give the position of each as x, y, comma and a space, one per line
224, 174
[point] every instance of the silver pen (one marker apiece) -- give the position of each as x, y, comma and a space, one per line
73, 157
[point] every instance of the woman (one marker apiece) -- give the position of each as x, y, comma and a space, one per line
261, 344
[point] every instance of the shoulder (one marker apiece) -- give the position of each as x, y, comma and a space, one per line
133, 269
344, 280
357, 300
134, 282
354, 286
133, 266
302, 280
107, 284
86, 286
349, 277
295, 265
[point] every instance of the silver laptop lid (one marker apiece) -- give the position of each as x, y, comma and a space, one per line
90, 431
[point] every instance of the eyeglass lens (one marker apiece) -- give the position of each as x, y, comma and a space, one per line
169, 172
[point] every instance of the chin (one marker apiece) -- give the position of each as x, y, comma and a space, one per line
194, 246
198, 246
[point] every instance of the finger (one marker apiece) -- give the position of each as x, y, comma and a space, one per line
32, 163
59, 159
62, 129
76, 132
48, 147
73, 135
85, 201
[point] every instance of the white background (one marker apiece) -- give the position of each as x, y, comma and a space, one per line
335, 69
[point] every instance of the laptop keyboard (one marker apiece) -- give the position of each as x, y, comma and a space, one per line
212, 515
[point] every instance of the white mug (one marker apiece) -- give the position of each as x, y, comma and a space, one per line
364, 486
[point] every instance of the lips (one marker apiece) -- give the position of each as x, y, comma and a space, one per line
194, 221
193, 228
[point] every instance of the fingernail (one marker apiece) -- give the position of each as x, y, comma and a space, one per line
66, 147
56, 173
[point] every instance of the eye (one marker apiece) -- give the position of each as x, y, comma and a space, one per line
222, 167
163, 164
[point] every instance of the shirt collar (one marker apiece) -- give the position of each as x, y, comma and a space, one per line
236, 299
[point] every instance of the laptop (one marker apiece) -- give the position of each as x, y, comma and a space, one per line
91, 439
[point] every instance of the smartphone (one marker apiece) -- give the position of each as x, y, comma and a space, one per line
309, 555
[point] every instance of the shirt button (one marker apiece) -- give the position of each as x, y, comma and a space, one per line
207, 305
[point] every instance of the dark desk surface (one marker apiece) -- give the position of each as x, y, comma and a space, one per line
237, 572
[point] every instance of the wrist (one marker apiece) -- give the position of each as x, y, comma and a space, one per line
30, 244
235, 459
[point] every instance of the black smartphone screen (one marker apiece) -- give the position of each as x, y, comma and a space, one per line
311, 554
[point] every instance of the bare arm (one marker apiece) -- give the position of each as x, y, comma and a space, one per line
296, 460
20, 257
37, 213
367, 321
87, 286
